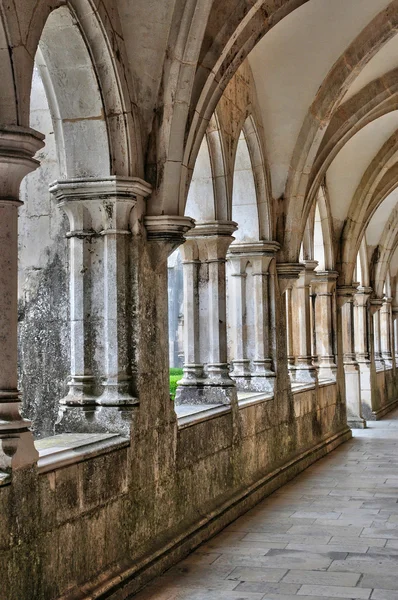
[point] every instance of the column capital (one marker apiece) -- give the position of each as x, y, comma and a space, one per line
90, 188
345, 293
252, 249
212, 228
324, 282
287, 274
213, 238
18, 145
307, 273
375, 305
260, 253
108, 200
168, 229
362, 295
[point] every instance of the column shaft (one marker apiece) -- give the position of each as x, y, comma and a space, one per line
351, 367
323, 286
17, 147
305, 370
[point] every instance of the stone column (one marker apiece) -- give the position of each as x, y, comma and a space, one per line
193, 368
362, 346
288, 273
323, 286
289, 332
395, 331
238, 322
385, 332
255, 374
212, 241
345, 297
376, 304
17, 148
100, 396
305, 371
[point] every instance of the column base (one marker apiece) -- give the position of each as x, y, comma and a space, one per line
96, 419
116, 394
327, 368
17, 447
241, 368
356, 423
255, 383
305, 374
206, 393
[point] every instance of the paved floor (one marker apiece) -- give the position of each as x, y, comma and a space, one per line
330, 533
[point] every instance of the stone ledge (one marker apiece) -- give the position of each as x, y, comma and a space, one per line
122, 583
69, 448
189, 415
197, 413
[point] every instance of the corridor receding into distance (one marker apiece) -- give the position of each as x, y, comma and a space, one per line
198, 299
332, 532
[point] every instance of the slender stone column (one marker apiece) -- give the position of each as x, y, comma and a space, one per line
323, 286
376, 304
289, 332
288, 273
238, 322
100, 396
17, 148
212, 240
385, 332
193, 368
395, 331
255, 374
345, 296
305, 370
362, 347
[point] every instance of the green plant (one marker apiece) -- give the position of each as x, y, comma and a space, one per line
175, 376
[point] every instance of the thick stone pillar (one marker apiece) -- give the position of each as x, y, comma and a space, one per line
345, 297
323, 286
385, 332
100, 396
362, 347
212, 240
288, 273
17, 148
305, 371
254, 373
376, 304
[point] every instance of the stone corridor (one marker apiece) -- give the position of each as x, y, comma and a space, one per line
332, 532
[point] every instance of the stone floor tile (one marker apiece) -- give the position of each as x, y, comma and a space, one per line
256, 574
275, 559
384, 595
324, 548
340, 541
322, 578
376, 581
267, 588
335, 591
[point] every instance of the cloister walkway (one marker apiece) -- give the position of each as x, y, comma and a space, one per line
332, 532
